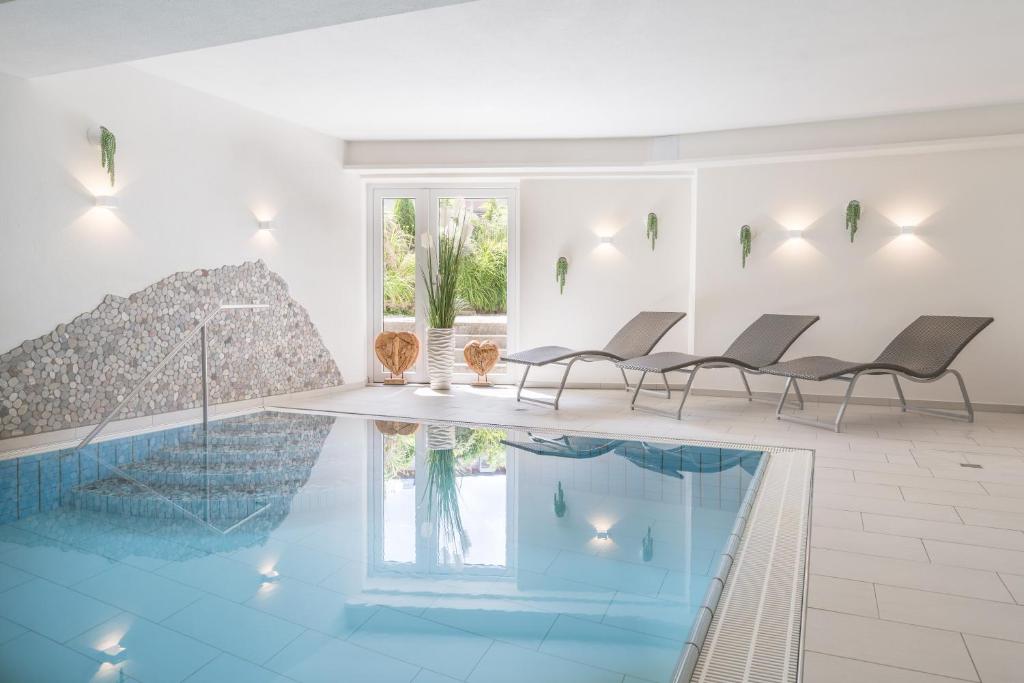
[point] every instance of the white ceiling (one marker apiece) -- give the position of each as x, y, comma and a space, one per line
596, 68
49, 36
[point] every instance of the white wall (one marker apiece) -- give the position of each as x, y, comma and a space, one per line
194, 173
607, 284
963, 260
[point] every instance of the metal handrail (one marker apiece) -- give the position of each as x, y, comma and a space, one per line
199, 329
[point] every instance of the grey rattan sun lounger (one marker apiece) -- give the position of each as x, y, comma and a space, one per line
763, 343
636, 338
921, 353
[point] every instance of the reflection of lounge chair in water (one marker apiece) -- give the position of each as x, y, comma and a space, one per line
577, 447
676, 460
673, 460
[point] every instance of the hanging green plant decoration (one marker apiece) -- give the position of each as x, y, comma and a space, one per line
560, 502
852, 217
652, 228
745, 238
561, 268
108, 148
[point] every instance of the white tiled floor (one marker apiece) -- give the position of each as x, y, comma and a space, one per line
917, 563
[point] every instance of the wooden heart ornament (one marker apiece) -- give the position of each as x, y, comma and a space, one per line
397, 351
481, 357
392, 428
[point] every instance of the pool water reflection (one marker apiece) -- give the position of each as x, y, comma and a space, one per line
304, 547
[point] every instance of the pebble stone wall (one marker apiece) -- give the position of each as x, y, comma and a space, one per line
77, 374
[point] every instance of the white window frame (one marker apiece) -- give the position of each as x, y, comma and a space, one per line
426, 196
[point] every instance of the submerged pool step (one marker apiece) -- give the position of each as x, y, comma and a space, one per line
189, 454
258, 473
122, 496
240, 466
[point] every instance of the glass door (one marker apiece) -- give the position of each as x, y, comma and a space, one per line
398, 302
406, 223
482, 219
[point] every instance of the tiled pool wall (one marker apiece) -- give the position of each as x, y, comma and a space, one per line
42, 482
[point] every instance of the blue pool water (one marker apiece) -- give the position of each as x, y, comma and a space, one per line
300, 547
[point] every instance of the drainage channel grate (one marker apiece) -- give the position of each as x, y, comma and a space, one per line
755, 632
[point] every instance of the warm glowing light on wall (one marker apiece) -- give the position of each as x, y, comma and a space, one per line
908, 229
602, 536
795, 233
106, 201
266, 225
607, 239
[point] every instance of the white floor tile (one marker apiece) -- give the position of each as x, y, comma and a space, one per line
944, 531
883, 642
951, 613
998, 661
821, 668
909, 574
868, 543
842, 595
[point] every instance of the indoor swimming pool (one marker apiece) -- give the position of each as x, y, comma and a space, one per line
309, 547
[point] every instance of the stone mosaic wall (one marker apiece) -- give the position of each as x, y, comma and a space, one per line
78, 373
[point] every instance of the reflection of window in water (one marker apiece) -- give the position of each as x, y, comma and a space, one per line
399, 498
483, 495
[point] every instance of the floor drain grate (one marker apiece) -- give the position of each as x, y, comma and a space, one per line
971, 465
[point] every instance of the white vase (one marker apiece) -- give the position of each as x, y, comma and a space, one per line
440, 437
440, 357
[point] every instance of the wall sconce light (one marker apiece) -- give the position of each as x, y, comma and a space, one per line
607, 239
794, 233
906, 229
602, 536
266, 225
106, 201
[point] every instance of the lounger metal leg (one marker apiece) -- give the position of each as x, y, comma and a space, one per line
664, 379
678, 413
836, 424
966, 416
686, 393
751, 397
782, 399
845, 403
539, 401
746, 384
899, 393
522, 383
639, 386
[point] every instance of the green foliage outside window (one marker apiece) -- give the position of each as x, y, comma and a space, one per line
483, 271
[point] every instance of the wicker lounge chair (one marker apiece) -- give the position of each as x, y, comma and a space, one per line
922, 352
636, 338
763, 343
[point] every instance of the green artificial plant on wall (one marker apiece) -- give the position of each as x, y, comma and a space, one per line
652, 228
561, 268
746, 236
108, 148
852, 217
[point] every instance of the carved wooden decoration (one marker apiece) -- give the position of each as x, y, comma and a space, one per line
393, 428
397, 351
481, 357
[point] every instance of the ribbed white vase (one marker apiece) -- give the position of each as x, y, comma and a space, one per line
440, 357
440, 437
